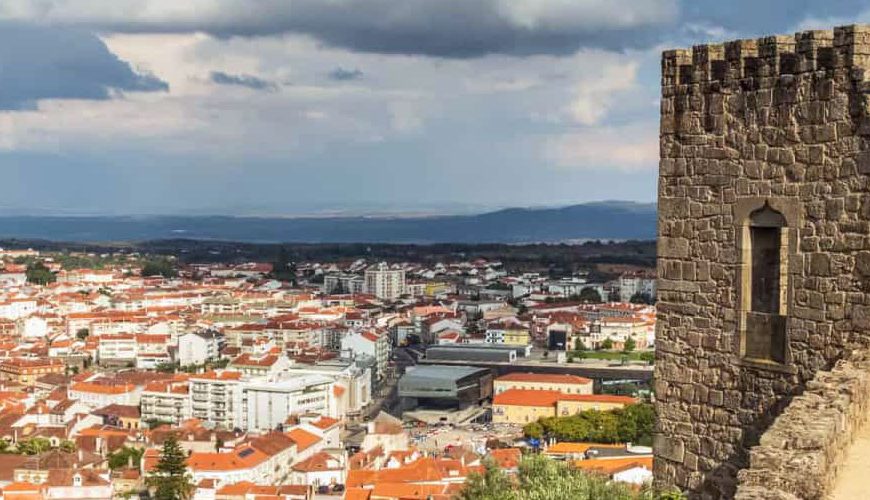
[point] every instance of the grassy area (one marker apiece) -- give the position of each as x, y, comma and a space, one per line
611, 355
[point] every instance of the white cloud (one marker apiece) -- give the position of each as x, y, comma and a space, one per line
595, 96
533, 14
502, 98
627, 147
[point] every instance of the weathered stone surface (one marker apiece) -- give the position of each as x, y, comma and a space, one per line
782, 122
800, 453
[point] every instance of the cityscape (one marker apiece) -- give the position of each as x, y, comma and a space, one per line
352, 378
434, 250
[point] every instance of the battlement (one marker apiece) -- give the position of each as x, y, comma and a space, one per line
845, 47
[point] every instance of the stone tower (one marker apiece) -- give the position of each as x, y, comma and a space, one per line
764, 239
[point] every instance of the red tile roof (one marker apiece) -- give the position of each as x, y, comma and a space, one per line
547, 378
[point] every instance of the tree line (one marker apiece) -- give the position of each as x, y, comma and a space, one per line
632, 424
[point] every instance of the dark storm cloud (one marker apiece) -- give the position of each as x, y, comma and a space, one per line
342, 74
443, 28
59, 63
251, 82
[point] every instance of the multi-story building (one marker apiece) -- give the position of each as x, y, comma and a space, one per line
522, 406
25, 371
152, 350
97, 394
196, 348
385, 283
369, 343
166, 401
343, 283
636, 283
619, 330
118, 348
566, 384
215, 397
266, 404
260, 364
352, 384
507, 331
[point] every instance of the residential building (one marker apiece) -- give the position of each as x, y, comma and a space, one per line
385, 283
98, 394
195, 348
260, 365
522, 406
566, 384
637, 283
370, 343
216, 397
166, 402
26, 371
266, 404
509, 331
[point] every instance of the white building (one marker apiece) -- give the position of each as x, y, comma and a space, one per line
352, 384
369, 343
631, 284
196, 348
117, 348
97, 395
216, 396
17, 308
267, 403
385, 283
166, 401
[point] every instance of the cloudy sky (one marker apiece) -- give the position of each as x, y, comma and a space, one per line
310, 106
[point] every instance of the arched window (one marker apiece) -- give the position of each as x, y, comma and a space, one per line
765, 284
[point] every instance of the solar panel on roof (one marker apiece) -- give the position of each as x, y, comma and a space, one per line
244, 453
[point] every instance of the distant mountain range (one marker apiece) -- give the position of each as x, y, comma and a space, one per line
602, 220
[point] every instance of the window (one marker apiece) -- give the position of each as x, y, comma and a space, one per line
764, 286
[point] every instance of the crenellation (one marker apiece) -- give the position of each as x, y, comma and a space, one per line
808, 44
845, 47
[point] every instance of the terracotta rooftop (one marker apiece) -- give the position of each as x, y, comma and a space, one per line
547, 378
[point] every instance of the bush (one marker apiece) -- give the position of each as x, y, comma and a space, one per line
540, 478
634, 423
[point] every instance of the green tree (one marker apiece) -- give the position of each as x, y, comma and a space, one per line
540, 478
607, 344
124, 456
34, 446
492, 484
590, 295
634, 423
648, 356
579, 345
170, 479
533, 430
67, 446
38, 274
82, 333
159, 267
630, 345
283, 268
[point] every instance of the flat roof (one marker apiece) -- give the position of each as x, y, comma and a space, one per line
443, 371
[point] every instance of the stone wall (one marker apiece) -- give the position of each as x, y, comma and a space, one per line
777, 123
800, 453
